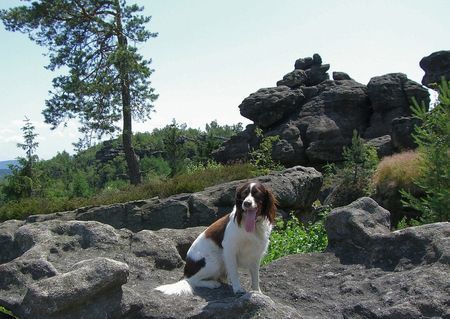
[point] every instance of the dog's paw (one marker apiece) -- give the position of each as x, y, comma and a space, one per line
238, 291
215, 284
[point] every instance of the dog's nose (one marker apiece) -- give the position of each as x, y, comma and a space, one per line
247, 204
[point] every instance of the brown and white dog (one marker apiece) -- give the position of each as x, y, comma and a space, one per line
237, 240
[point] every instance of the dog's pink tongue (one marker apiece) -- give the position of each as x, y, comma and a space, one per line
250, 220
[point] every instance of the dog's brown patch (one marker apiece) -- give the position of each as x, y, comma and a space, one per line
193, 266
216, 230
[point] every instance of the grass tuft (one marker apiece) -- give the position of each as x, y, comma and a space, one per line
398, 171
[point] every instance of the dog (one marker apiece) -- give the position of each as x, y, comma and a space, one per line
237, 240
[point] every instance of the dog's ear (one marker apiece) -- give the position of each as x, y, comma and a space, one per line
269, 205
238, 196
238, 202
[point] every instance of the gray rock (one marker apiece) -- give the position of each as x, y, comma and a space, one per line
304, 63
360, 233
315, 127
317, 74
83, 269
382, 144
295, 188
307, 72
270, 105
436, 66
339, 76
238, 147
391, 97
402, 130
294, 79
86, 280
250, 305
327, 121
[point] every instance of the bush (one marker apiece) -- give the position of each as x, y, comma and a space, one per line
120, 191
154, 167
8, 314
360, 161
351, 179
261, 157
293, 237
398, 171
433, 139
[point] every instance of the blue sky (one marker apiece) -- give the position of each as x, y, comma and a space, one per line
211, 54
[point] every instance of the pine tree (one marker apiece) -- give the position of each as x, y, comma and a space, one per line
107, 79
433, 139
22, 182
29, 146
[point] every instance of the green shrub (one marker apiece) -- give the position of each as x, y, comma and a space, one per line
360, 161
120, 191
293, 237
154, 167
352, 178
261, 157
433, 139
5, 311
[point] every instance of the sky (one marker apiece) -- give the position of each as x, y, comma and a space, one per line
209, 55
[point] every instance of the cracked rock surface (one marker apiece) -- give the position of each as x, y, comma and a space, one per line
86, 269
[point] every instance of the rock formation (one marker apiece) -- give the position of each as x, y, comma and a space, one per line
436, 65
85, 269
315, 117
295, 188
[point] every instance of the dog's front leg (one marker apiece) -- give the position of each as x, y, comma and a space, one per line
231, 267
254, 273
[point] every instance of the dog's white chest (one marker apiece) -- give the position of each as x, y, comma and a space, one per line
250, 247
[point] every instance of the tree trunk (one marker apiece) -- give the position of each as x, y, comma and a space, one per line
134, 172
132, 160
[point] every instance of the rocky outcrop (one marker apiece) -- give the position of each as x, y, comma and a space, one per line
436, 66
391, 97
295, 188
402, 132
85, 269
315, 117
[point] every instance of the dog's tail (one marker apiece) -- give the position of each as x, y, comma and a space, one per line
182, 287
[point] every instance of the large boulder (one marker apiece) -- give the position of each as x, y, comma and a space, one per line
436, 66
84, 269
402, 132
295, 189
315, 117
391, 97
268, 106
327, 121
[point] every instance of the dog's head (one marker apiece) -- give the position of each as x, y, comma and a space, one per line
253, 200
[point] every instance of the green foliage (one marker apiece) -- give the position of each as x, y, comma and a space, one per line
7, 312
433, 139
352, 178
153, 166
293, 237
85, 38
107, 80
66, 182
261, 157
405, 223
119, 191
360, 162
23, 181
29, 146
175, 147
